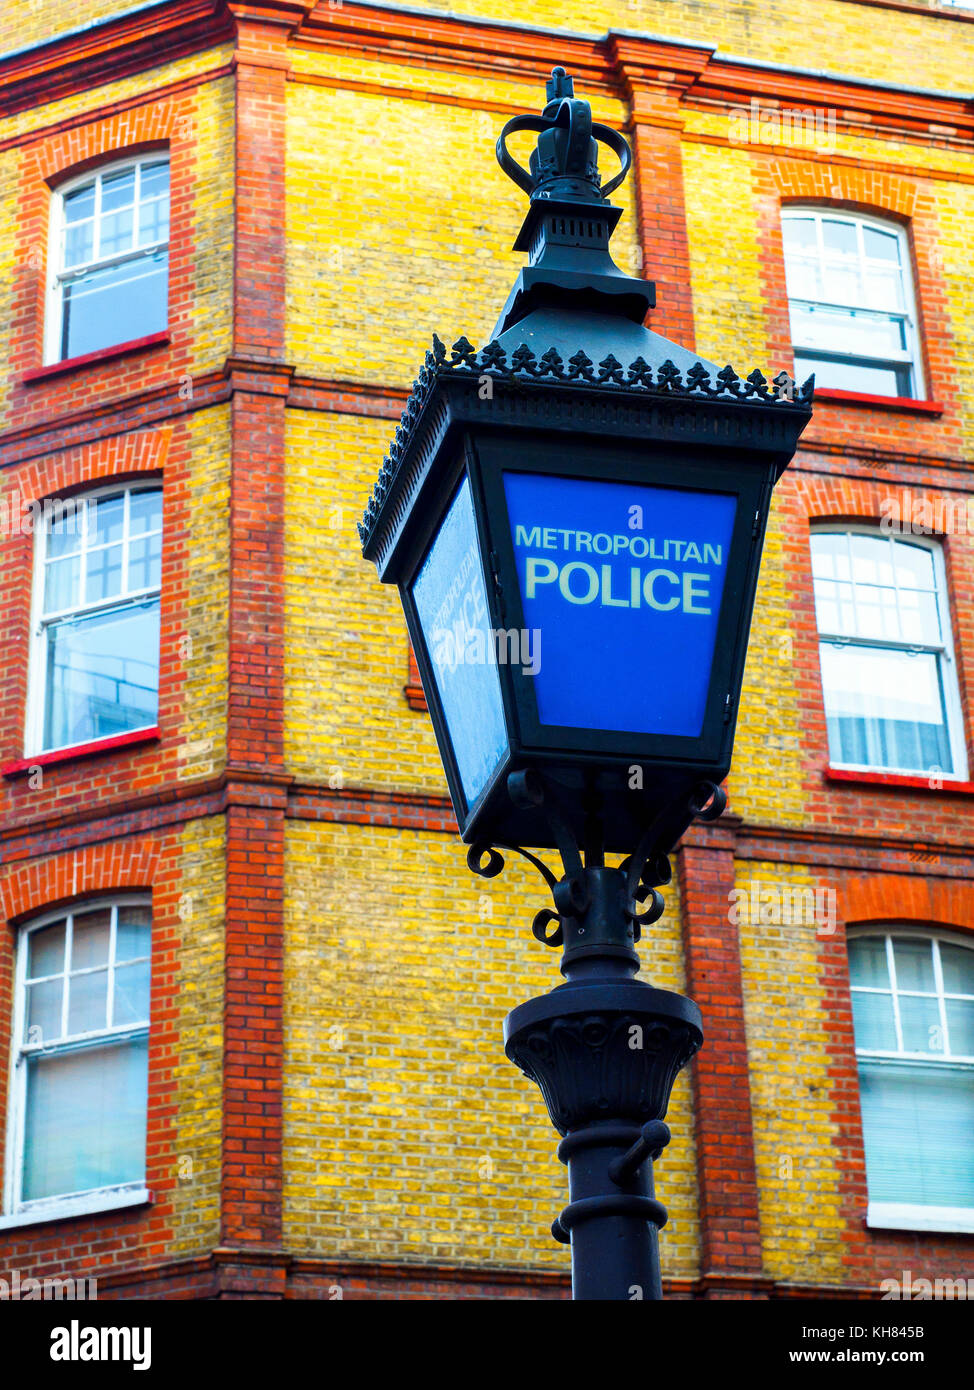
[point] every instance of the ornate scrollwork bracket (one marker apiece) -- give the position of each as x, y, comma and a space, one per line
645, 870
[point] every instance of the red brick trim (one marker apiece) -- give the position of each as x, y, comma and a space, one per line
252, 1187
730, 1229
79, 750
85, 359
109, 50
413, 689
831, 393
897, 781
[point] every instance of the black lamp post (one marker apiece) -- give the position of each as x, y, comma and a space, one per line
577, 550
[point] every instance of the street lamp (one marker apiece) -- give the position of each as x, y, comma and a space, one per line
574, 516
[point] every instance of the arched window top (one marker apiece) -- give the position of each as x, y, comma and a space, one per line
109, 256
850, 293
913, 993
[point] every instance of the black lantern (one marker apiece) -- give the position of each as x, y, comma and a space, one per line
574, 516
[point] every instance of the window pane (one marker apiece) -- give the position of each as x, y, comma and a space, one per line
917, 1124
115, 304
146, 511
957, 965
88, 1002
873, 1022
867, 962
46, 951
960, 1026
155, 179
104, 574
855, 376
80, 203
803, 277
116, 233
106, 519
920, 1024
64, 525
914, 965
132, 935
131, 994
79, 244
154, 221
90, 936
117, 190
145, 563
914, 565
919, 619
85, 1120
881, 245
799, 234
872, 560
839, 238
830, 555
102, 675
43, 1016
846, 331
62, 581
884, 708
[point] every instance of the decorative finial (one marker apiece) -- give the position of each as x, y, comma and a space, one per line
565, 164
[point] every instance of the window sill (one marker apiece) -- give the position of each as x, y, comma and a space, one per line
71, 364
831, 395
899, 779
905, 1216
22, 766
84, 1204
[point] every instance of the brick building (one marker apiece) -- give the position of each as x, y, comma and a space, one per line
250, 996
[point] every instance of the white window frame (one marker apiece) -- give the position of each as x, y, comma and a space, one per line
57, 274
911, 356
953, 708
15, 1211
915, 1216
37, 692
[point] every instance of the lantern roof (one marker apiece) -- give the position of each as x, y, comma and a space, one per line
572, 331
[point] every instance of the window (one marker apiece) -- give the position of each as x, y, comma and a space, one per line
95, 660
888, 673
913, 1014
81, 1023
853, 321
110, 258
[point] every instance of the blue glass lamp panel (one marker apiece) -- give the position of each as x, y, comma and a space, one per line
621, 586
451, 602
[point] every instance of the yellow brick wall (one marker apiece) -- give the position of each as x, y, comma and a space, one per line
407, 1133
202, 642
213, 206
345, 645
788, 1032
198, 1073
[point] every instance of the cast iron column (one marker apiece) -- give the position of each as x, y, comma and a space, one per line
605, 1050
